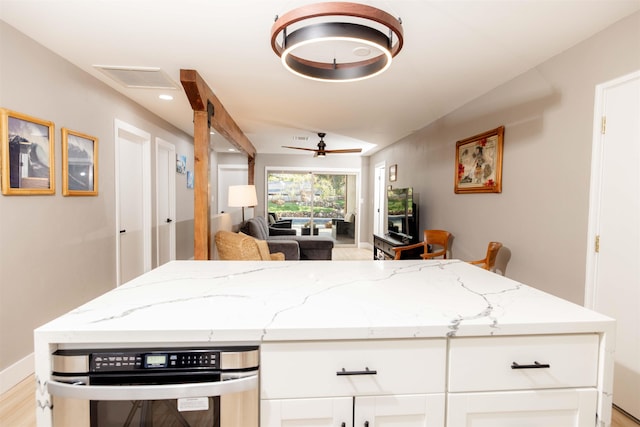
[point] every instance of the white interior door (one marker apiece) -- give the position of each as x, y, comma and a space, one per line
165, 201
133, 202
613, 264
379, 200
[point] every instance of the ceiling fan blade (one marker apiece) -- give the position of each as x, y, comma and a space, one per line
348, 150
301, 148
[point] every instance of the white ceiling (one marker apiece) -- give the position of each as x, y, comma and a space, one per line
454, 51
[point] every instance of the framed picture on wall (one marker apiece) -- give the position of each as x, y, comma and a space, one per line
79, 164
27, 154
479, 163
393, 173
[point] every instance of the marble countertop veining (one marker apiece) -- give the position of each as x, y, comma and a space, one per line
236, 301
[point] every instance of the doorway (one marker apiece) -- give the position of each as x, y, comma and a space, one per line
613, 257
165, 202
379, 191
229, 175
133, 202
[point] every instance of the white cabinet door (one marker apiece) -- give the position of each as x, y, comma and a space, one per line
405, 411
321, 412
557, 408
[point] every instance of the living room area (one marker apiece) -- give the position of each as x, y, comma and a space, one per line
547, 112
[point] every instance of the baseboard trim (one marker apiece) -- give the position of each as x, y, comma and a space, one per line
17, 372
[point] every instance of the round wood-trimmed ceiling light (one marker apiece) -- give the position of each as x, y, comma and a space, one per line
336, 41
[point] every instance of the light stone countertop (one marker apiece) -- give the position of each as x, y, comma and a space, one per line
186, 303
251, 302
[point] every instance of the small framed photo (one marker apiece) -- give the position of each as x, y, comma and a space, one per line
479, 163
27, 154
79, 164
393, 173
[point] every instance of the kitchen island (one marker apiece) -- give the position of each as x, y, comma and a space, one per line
431, 335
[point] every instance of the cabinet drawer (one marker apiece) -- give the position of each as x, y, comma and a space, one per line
339, 368
484, 364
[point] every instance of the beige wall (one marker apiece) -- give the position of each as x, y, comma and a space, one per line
541, 214
58, 252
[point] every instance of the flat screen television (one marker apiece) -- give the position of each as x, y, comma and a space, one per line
402, 215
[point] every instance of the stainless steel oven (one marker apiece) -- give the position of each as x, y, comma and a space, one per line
156, 387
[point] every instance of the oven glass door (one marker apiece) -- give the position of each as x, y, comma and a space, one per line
157, 413
185, 412
218, 400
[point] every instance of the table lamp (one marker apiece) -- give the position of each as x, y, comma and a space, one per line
241, 196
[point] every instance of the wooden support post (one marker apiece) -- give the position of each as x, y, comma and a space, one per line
203, 100
201, 209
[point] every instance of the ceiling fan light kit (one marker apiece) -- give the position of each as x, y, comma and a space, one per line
312, 41
322, 151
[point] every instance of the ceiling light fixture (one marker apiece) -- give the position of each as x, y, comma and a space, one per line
313, 47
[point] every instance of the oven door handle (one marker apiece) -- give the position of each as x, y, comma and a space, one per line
153, 392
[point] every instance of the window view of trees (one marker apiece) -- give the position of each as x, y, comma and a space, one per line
307, 195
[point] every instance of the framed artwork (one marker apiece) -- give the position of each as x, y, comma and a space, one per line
189, 179
393, 173
479, 163
181, 164
27, 154
79, 164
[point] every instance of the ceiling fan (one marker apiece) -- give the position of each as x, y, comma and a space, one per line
321, 151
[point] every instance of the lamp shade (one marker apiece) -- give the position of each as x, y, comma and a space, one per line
242, 195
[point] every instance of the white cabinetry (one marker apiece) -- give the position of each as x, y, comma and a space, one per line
418, 410
533, 381
537, 381
353, 383
557, 408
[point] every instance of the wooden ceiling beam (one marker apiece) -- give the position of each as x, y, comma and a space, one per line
198, 93
203, 100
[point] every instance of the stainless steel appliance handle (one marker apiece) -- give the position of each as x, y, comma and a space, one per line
152, 392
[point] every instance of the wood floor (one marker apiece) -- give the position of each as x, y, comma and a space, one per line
17, 405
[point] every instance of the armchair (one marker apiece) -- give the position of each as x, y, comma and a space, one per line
275, 222
343, 227
238, 246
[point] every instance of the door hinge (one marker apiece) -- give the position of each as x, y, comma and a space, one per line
603, 125
597, 243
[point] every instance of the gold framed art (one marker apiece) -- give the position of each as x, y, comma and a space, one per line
479, 163
27, 152
79, 164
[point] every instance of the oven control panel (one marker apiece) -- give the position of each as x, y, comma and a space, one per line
110, 361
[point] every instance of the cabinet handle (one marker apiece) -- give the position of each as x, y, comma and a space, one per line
366, 371
123, 231
343, 424
536, 365
366, 424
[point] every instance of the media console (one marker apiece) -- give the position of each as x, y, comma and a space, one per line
383, 248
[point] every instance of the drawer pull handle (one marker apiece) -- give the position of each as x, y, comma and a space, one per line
536, 365
366, 371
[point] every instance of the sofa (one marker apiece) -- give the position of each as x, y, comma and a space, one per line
286, 241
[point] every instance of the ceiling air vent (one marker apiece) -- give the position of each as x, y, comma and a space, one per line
138, 77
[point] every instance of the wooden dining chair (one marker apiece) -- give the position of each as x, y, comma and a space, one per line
489, 262
438, 243
435, 240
